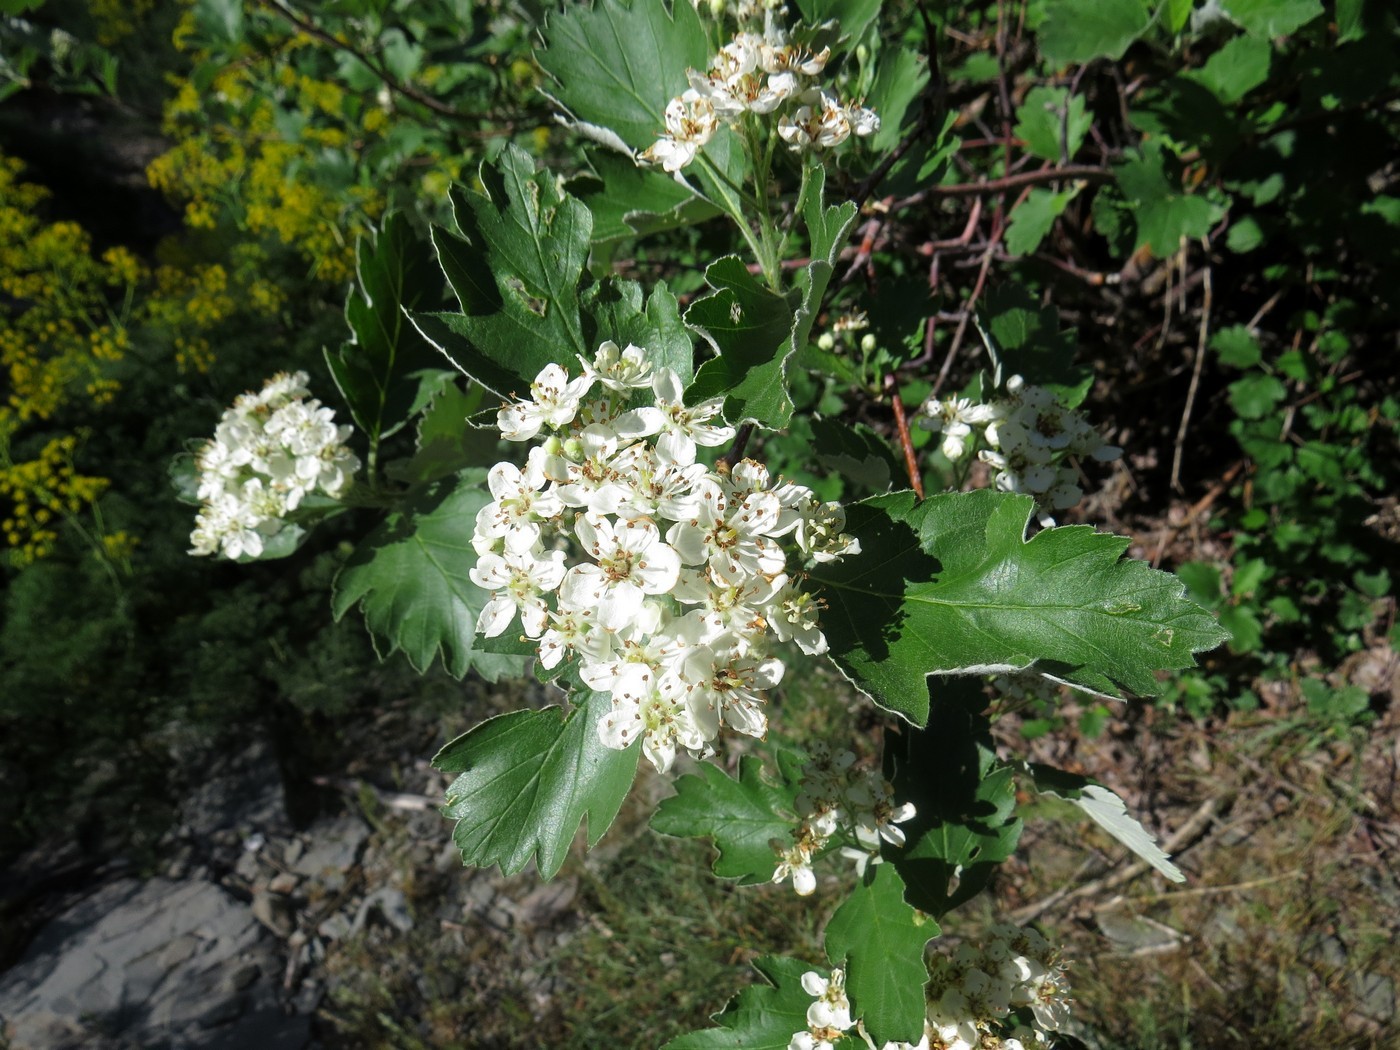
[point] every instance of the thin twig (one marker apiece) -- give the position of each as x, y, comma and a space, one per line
911, 462
1021, 179
1201, 338
969, 309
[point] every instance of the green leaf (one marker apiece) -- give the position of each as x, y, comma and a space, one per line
900, 78
378, 371
749, 326
857, 453
411, 577
1236, 346
526, 298
1271, 18
880, 939
517, 276
761, 1017
852, 15
1350, 23
1042, 122
1164, 214
1236, 69
220, 20
951, 586
1033, 218
614, 310
1074, 31
1106, 810
617, 63
629, 201
1178, 12
447, 442
1246, 632
1244, 235
1203, 581
964, 823
528, 780
742, 816
1255, 396
1029, 342
757, 331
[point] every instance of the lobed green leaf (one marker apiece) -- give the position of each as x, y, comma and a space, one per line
386, 371
529, 779
742, 817
879, 938
761, 1017
951, 586
410, 576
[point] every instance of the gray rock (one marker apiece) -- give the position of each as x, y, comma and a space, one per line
334, 847
1376, 994
158, 963
388, 902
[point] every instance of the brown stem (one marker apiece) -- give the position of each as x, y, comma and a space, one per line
911, 464
988, 187
736, 450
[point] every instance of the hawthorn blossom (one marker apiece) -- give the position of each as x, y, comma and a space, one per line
518, 581
764, 76
691, 121
270, 450
679, 427
664, 582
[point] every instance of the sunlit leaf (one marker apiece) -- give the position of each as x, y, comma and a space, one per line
951, 585
529, 779
410, 575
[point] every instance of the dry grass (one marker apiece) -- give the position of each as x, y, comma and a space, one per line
1284, 934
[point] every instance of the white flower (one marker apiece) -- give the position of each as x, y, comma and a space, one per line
620, 370
518, 580
680, 427
270, 450
820, 122
630, 560
832, 1009
555, 402
863, 121
796, 864
650, 706
518, 507
691, 122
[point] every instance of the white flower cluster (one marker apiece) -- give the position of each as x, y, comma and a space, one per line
1030, 439
837, 799
270, 451
742, 10
681, 577
760, 74
829, 1018
1007, 995
973, 993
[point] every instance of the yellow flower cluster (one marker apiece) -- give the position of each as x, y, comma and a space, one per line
115, 20
68, 320
58, 335
247, 147
40, 492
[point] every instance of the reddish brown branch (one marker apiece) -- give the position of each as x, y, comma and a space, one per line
911, 463
1020, 180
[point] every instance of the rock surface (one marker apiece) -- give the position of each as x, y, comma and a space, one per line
146, 964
